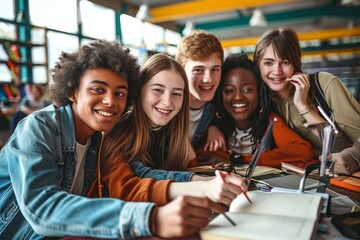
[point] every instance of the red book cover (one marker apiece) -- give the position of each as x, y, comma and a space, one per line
297, 166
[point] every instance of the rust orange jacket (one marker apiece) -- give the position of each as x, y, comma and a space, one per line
289, 146
123, 184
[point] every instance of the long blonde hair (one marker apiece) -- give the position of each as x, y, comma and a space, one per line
131, 137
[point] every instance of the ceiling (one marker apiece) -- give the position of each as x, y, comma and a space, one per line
320, 20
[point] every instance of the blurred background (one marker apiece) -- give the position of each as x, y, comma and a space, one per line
34, 32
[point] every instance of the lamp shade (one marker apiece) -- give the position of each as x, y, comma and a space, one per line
258, 19
144, 12
189, 27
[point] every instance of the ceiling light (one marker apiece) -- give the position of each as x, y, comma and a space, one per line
189, 27
350, 2
144, 12
258, 19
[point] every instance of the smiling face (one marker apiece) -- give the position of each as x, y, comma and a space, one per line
162, 97
274, 72
204, 78
98, 102
240, 96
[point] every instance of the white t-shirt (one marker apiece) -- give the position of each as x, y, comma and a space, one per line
241, 142
195, 115
78, 183
36, 104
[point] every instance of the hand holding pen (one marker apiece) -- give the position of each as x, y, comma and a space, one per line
222, 176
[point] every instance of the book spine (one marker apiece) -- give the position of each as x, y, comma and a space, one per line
342, 184
8, 92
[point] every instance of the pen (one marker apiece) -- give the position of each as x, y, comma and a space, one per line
229, 219
222, 177
247, 197
226, 216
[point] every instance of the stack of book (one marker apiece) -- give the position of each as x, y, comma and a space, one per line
297, 166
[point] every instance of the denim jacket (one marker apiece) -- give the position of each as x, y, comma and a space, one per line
142, 171
37, 167
198, 139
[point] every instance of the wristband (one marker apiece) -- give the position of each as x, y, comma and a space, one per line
306, 112
153, 221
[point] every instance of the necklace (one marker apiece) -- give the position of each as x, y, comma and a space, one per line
196, 109
156, 128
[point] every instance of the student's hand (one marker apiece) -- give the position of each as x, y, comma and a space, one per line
185, 216
215, 140
225, 187
301, 82
344, 162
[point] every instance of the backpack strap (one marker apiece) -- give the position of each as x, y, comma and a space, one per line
320, 101
319, 96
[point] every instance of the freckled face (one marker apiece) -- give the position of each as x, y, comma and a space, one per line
99, 101
274, 72
204, 78
162, 97
240, 96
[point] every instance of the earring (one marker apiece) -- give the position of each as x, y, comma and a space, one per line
219, 115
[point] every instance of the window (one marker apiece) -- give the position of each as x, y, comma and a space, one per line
40, 75
153, 36
59, 15
140, 35
97, 21
131, 31
38, 53
58, 42
5, 75
7, 31
38, 35
172, 39
7, 9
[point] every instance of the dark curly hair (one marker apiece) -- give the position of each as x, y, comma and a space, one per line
259, 120
98, 54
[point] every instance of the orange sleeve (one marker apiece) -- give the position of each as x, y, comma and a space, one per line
123, 184
289, 146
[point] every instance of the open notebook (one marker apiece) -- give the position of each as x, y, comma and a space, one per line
271, 216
